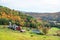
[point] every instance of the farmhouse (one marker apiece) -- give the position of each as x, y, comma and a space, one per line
15, 27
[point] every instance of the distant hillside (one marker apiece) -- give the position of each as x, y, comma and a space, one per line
46, 16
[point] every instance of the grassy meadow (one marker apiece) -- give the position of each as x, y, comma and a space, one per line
8, 34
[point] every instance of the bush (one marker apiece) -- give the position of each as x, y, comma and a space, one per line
45, 30
58, 33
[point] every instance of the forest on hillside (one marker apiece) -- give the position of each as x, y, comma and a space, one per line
10, 15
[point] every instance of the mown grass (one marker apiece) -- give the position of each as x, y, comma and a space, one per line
8, 34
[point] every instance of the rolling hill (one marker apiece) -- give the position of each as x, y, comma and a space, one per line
46, 16
53, 19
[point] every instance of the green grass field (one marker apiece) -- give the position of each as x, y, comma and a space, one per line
8, 34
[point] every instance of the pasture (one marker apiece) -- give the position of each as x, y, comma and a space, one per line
8, 34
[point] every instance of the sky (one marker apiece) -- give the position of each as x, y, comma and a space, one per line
32, 5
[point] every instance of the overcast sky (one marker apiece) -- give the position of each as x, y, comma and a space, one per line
32, 5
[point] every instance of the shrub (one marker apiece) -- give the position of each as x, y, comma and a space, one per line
45, 30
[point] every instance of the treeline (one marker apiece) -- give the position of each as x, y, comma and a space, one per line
7, 15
